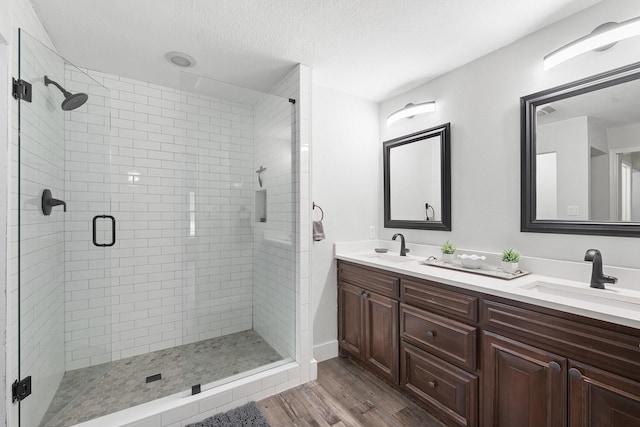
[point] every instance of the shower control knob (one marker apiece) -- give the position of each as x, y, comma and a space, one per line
48, 202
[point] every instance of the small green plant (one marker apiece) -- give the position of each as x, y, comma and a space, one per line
510, 255
447, 247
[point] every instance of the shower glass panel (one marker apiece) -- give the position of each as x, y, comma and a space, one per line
64, 280
237, 269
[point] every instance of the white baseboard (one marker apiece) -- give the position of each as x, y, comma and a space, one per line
325, 351
313, 370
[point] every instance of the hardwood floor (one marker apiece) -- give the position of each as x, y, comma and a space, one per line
344, 395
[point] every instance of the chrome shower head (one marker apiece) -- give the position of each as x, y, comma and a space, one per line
71, 100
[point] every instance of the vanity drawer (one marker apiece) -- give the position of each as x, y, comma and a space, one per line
446, 338
590, 343
433, 298
372, 280
448, 389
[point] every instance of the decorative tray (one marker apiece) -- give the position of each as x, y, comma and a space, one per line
484, 270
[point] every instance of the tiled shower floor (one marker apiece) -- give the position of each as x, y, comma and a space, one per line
92, 392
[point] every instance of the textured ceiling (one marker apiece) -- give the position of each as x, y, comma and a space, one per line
373, 49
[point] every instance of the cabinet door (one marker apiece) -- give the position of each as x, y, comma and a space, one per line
600, 399
381, 335
522, 385
350, 320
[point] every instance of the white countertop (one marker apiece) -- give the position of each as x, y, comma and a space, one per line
616, 304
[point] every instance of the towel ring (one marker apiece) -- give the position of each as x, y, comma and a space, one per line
427, 206
321, 211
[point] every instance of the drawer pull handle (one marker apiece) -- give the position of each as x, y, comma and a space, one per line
575, 374
432, 334
432, 384
554, 366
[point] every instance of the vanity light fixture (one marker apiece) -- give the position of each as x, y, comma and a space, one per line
411, 110
602, 38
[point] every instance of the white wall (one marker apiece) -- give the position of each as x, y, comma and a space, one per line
347, 154
569, 139
599, 176
623, 136
599, 188
481, 100
547, 185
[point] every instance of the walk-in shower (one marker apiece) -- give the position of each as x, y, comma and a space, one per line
198, 289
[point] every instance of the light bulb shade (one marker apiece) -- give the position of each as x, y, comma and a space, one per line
411, 110
596, 40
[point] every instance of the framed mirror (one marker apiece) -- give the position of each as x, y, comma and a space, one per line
417, 180
580, 157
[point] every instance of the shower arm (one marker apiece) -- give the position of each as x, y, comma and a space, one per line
48, 81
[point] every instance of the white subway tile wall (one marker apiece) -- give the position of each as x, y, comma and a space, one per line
182, 194
88, 308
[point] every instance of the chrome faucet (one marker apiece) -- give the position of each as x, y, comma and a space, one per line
403, 248
598, 278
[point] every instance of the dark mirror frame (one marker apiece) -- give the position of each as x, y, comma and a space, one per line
444, 132
528, 105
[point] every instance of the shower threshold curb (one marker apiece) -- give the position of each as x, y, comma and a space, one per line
183, 406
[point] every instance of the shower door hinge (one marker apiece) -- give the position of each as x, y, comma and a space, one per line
21, 389
22, 90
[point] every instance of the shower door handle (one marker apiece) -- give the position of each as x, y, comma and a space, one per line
113, 231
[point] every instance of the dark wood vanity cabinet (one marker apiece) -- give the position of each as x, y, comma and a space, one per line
368, 319
478, 360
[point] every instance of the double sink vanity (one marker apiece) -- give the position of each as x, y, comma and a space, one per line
541, 349
483, 351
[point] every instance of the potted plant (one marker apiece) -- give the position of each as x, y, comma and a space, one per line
447, 249
510, 259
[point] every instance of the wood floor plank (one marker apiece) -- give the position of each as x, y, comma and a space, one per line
410, 417
274, 411
344, 395
302, 411
381, 399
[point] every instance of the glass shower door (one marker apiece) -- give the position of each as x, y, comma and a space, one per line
63, 285
237, 228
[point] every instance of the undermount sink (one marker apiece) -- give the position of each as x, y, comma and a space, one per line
392, 258
611, 297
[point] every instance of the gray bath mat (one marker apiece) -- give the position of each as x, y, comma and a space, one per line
244, 416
